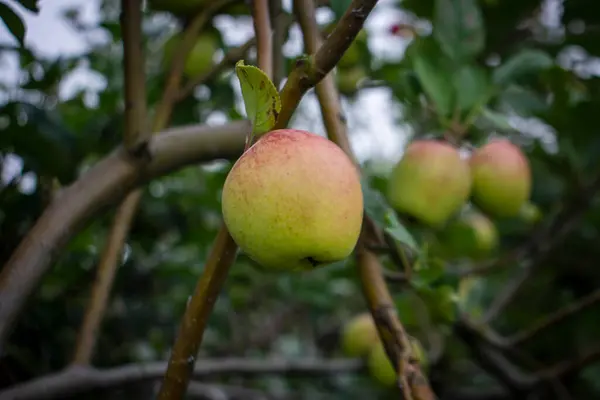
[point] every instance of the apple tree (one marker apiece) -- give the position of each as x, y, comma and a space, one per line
221, 218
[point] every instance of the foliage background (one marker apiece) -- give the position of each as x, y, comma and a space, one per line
518, 73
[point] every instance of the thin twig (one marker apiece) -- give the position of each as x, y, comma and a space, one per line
220, 259
564, 223
564, 368
307, 74
135, 117
83, 379
279, 34
380, 301
567, 311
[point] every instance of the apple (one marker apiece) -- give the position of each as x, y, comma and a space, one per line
359, 335
293, 201
530, 213
431, 182
348, 79
472, 235
200, 57
381, 368
501, 178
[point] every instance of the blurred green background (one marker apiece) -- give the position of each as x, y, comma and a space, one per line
527, 70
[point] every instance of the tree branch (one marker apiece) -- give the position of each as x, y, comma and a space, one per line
544, 323
564, 368
104, 184
83, 379
561, 226
219, 261
411, 380
135, 118
135, 74
307, 74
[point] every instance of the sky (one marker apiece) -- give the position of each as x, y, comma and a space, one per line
375, 135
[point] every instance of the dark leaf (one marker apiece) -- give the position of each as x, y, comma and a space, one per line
458, 28
13, 22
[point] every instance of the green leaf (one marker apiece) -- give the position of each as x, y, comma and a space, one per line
458, 27
472, 87
496, 120
13, 22
339, 7
522, 101
398, 231
522, 65
261, 98
436, 82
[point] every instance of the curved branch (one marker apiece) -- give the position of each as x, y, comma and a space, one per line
82, 379
134, 137
104, 184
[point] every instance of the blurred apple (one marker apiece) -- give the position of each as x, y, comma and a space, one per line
293, 201
200, 57
472, 235
359, 335
382, 370
501, 178
348, 79
530, 213
431, 182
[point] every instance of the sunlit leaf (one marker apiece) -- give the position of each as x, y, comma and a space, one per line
261, 98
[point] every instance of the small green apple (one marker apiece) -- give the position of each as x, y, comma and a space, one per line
293, 201
359, 335
348, 79
472, 235
431, 182
200, 57
501, 178
530, 213
382, 370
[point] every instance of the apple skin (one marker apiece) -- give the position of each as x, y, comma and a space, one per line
472, 235
293, 201
382, 370
359, 335
431, 182
501, 178
200, 57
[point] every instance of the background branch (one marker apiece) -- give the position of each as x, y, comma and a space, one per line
104, 184
544, 323
564, 222
135, 118
220, 259
82, 379
380, 301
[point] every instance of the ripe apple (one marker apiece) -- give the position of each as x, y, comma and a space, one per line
200, 57
501, 178
359, 335
382, 370
293, 201
348, 79
431, 182
472, 235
